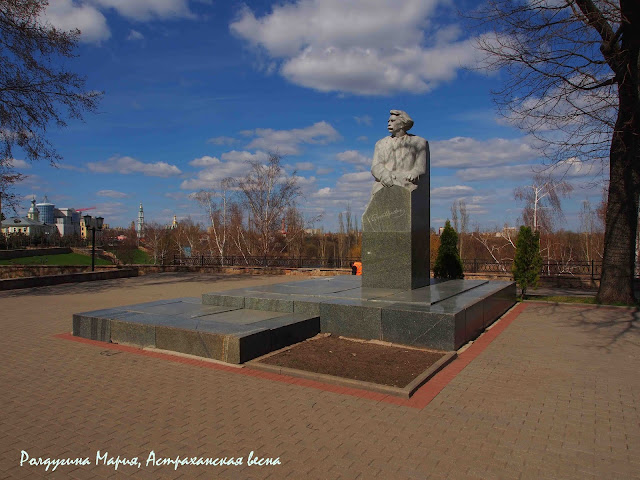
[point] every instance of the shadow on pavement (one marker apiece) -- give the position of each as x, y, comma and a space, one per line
607, 327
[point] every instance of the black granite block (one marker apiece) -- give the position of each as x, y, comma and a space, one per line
269, 302
243, 348
408, 325
223, 299
351, 318
294, 332
129, 333
201, 344
92, 328
498, 303
474, 320
307, 306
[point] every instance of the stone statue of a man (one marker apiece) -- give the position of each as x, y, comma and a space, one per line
401, 158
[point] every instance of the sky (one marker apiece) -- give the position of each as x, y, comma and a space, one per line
195, 88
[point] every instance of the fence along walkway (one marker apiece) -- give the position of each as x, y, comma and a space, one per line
549, 268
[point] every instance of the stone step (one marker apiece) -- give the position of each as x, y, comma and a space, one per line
229, 334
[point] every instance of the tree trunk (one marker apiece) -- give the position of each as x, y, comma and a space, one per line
616, 283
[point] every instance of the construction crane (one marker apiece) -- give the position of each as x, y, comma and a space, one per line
84, 209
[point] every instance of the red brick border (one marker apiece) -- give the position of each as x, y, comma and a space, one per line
419, 400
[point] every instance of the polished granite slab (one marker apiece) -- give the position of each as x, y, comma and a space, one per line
443, 315
229, 334
238, 325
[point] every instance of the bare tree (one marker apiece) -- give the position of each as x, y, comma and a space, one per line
460, 219
542, 202
215, 202
157, 240
573, 80
35, 87
8, 177
267, 192
591, 231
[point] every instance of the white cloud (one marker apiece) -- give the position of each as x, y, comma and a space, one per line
573, 167
460, 152
16, 163
363, 120
135, 35
234, 166
369, 47
286, 142
503, 172
362, 138
68, 15
127, 165
324, 171
112, 194
88, 15
355, 157
222, 140
304, 166
142, 10
205, 161
452, 191
110, 210
244, 156
350, 189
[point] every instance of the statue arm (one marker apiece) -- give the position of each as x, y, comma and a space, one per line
421, 162
379, 172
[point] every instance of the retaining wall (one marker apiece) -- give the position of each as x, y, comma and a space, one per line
32, 252
42, 281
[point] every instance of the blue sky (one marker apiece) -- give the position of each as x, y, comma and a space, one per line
195, 88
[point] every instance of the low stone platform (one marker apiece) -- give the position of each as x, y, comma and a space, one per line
236, 326
185, 325
443, 315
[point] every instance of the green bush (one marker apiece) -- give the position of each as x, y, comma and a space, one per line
528, 261
448, 264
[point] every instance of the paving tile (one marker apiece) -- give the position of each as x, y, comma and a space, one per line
566, 374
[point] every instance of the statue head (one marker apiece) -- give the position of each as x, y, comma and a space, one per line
399, 120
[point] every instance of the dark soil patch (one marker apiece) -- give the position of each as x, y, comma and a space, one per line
365, 361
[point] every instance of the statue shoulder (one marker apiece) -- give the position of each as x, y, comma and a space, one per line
383, 141
415, 139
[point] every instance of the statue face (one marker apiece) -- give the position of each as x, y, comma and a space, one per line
395, 124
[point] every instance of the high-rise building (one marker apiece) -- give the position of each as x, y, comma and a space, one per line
46, 211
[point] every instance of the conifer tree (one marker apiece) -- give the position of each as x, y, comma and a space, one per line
448, 264
527, 261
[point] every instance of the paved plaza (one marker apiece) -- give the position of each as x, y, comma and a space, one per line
553, 393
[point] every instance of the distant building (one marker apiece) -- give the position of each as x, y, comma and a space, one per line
140, 229
46, 211
30, 225
67, 220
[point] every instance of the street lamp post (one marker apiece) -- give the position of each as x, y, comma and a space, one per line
93, 224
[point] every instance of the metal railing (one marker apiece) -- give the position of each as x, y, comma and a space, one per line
583, 268
591, 268
262, 261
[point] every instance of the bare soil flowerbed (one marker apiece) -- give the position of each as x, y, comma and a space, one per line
391, 365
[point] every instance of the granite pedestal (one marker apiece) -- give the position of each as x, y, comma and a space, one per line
395, 238
442, 316
236, 326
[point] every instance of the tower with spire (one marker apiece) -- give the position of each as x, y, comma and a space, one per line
33, 213
140, 221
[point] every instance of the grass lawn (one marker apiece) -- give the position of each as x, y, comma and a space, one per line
562, 299
132, 256
61, 259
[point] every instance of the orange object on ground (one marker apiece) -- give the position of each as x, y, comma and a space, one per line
358, 266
